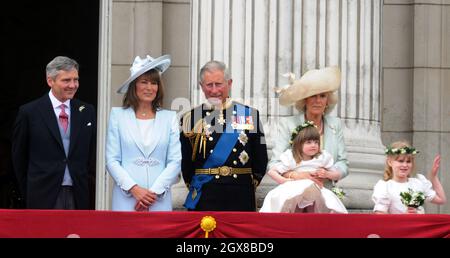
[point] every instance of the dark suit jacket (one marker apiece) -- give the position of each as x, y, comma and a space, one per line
38, 153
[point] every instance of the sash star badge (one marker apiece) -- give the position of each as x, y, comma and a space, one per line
243, 138
243, 157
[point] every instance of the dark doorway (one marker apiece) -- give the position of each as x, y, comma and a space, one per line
33, 33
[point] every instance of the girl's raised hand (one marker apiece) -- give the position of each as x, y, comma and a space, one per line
436, 164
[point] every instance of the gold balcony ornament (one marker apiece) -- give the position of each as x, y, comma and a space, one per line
208, 224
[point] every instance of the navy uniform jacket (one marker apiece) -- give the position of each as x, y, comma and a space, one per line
201, 132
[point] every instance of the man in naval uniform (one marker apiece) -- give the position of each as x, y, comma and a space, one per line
224, 155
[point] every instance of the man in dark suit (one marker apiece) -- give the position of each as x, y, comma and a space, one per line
224, 155
54, 143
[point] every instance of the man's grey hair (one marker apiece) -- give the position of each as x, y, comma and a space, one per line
60, 63
214, 65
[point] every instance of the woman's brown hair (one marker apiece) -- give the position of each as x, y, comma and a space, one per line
130, 99
307, 133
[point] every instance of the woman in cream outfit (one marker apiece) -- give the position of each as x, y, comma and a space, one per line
314, 95
143, 152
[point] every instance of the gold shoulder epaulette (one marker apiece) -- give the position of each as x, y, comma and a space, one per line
187, 129
197, 133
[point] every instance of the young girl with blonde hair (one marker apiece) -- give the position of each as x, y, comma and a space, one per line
398, 182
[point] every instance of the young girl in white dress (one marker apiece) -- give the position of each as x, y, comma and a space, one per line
400, 163
302, 195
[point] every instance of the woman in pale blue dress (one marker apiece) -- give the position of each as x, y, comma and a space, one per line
143, 151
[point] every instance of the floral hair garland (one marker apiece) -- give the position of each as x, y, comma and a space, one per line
402, 150
299, 128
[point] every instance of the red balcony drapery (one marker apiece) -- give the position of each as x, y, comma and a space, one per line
179, 224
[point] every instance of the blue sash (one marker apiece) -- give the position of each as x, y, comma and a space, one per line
219, 156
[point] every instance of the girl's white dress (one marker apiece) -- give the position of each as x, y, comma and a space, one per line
289, 196
386, 194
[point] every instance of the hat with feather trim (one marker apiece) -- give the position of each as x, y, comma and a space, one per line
142, 65
313, 82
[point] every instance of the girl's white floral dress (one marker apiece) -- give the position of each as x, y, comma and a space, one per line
386, 194
291, 195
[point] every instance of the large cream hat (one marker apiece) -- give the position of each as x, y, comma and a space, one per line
313, 82
142, 65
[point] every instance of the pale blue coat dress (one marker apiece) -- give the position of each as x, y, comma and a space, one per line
333, 141
155, 167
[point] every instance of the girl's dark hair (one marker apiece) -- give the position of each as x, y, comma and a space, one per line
130, 98
307, 133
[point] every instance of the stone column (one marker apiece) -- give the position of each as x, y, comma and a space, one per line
431, 109
103, 180
261, 40
360, 98
416, 79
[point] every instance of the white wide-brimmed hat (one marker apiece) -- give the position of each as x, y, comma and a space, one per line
313, 82
142, 65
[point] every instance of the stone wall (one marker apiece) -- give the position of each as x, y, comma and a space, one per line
416, 81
